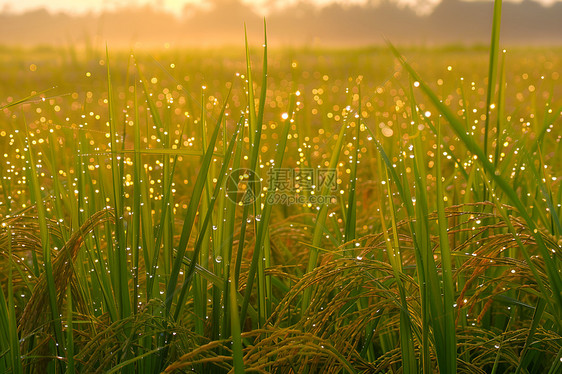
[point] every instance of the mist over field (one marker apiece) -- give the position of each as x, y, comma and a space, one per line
220, 23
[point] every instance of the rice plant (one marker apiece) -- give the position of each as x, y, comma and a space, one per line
287, 211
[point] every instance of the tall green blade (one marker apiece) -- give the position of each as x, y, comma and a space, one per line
35, 191
449, 361
320, 223
492, 69
120, 266
191, 213
10, 361
351, 216
263, 221
202, 237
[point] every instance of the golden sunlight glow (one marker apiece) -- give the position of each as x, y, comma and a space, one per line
178, 6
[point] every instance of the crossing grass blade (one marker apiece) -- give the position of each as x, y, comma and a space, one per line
25, 99
133, 360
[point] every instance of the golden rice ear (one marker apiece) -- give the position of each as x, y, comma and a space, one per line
341, 282
292, 348
21, 231
62, 270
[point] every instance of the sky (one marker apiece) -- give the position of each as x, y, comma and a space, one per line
289, 22
176, 6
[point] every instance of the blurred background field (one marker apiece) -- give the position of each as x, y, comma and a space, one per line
74, 104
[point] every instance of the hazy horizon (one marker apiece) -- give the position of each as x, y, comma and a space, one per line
296, 22
178, 7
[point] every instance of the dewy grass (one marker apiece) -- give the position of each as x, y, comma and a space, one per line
125, 245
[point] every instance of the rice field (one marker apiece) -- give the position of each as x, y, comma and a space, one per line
375, 210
